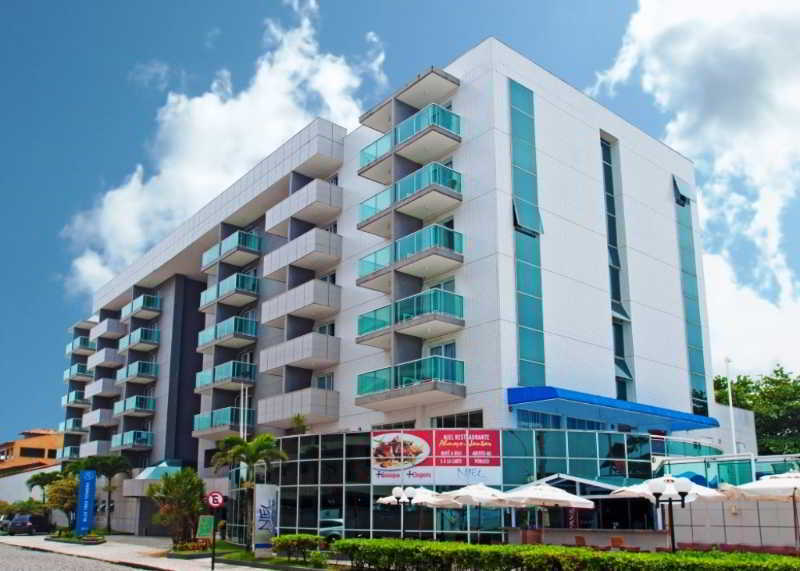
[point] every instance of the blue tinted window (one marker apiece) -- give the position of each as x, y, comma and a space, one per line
531, 345
521, 97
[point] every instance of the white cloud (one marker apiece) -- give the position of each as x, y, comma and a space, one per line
154, 74
727, 75
204, 143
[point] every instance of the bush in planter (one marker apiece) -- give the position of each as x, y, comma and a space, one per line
318, 559
296, 545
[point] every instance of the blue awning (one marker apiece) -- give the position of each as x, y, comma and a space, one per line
553, 400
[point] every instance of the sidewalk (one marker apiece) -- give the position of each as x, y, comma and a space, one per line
132, 555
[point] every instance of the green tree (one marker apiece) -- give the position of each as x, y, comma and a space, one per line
63, 495
179, 497
107, 467
775, 402
235, 451
29, 506
42, 480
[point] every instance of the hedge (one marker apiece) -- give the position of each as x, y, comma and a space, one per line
408, 555
296, 545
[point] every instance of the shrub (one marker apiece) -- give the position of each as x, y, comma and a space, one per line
296, 545
318, 559
405, 555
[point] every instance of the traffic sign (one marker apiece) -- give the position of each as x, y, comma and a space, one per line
215, 500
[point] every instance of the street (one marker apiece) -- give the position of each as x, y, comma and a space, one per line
19, 559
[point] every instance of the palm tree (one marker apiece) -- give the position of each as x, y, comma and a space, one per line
106, 466
234, 451
41, 480
179, 497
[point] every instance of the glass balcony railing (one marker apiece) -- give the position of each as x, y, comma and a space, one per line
68, 453
231, 326
138, 369
116, 440
80, 343
208, 295
432, 173
139, 402
141, 335
240, 282
432, 114
375, 261
73, 424
119, 407
146, 301
428, 302
225, 372
223, 417
73, 397
375, 150
237, 240
137, 438
375, 320
77, 370
433, 236
434, 368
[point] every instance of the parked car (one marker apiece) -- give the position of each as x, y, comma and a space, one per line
30, 524
5, 521
331, 529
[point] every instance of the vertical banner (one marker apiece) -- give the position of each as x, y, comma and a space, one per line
266, 515
84, 520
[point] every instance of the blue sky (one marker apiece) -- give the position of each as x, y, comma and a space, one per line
102, 100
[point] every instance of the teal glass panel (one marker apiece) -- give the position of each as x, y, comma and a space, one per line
518, 471
531, 344
611, 445
211, 255
375, 261
550, 443
549, 466
605, 148
240, 240
208, 295
583, 468
202, 421
235, 370
735, 473
435, 368
582, 445
375, 381
206, 336
119, 407
608, 179
523, 155
517, 443
375, 150
692, 308
529, 311
524, 185
430, 301
521, 126
376, 203
531, 374
521, 97
203, 378
238, 282
375, 320
527, 248
527, 216
432, 173
529, 279
689, 286
433, 236
696, 364
638, 447
432, 114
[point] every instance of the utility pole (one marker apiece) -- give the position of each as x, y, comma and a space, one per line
730, 402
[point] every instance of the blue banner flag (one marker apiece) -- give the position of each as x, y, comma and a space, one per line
84, 522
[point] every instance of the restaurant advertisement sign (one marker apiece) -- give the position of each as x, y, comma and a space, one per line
447, 457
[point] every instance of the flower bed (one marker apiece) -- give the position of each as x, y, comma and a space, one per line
85, 540
407, 555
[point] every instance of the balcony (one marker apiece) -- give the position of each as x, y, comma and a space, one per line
231, 375
105, 387
72, 426
428, 135
95, 448
238, 249
375, 160
108, 329
80, 346
426, 193
424, 381
316, 405
99, 417
236, 290
221, 423
315, 250
132, 440
107, 357
317, 203
144, 307
429, 314
314, 299
310, 351
137, 405
426, 253
375, 327
78, 372
75, 399
234, 332
68, 453
141, 372
142, 339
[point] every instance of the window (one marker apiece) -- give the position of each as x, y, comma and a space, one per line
447, 285
327, 329
52, 453
247, 356
333, 227
329, 278
583, 424
472, 419
622, 389
444, 350
325, 382
32, 452
395, 425
531, 419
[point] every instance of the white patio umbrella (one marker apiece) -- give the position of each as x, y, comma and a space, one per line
479, 495
773, 488
671, 486
430, 499
388, 500
545, 495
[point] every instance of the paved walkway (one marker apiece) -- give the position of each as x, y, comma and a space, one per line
128, 551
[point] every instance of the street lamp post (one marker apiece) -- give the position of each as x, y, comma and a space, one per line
658, 487
403, 497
